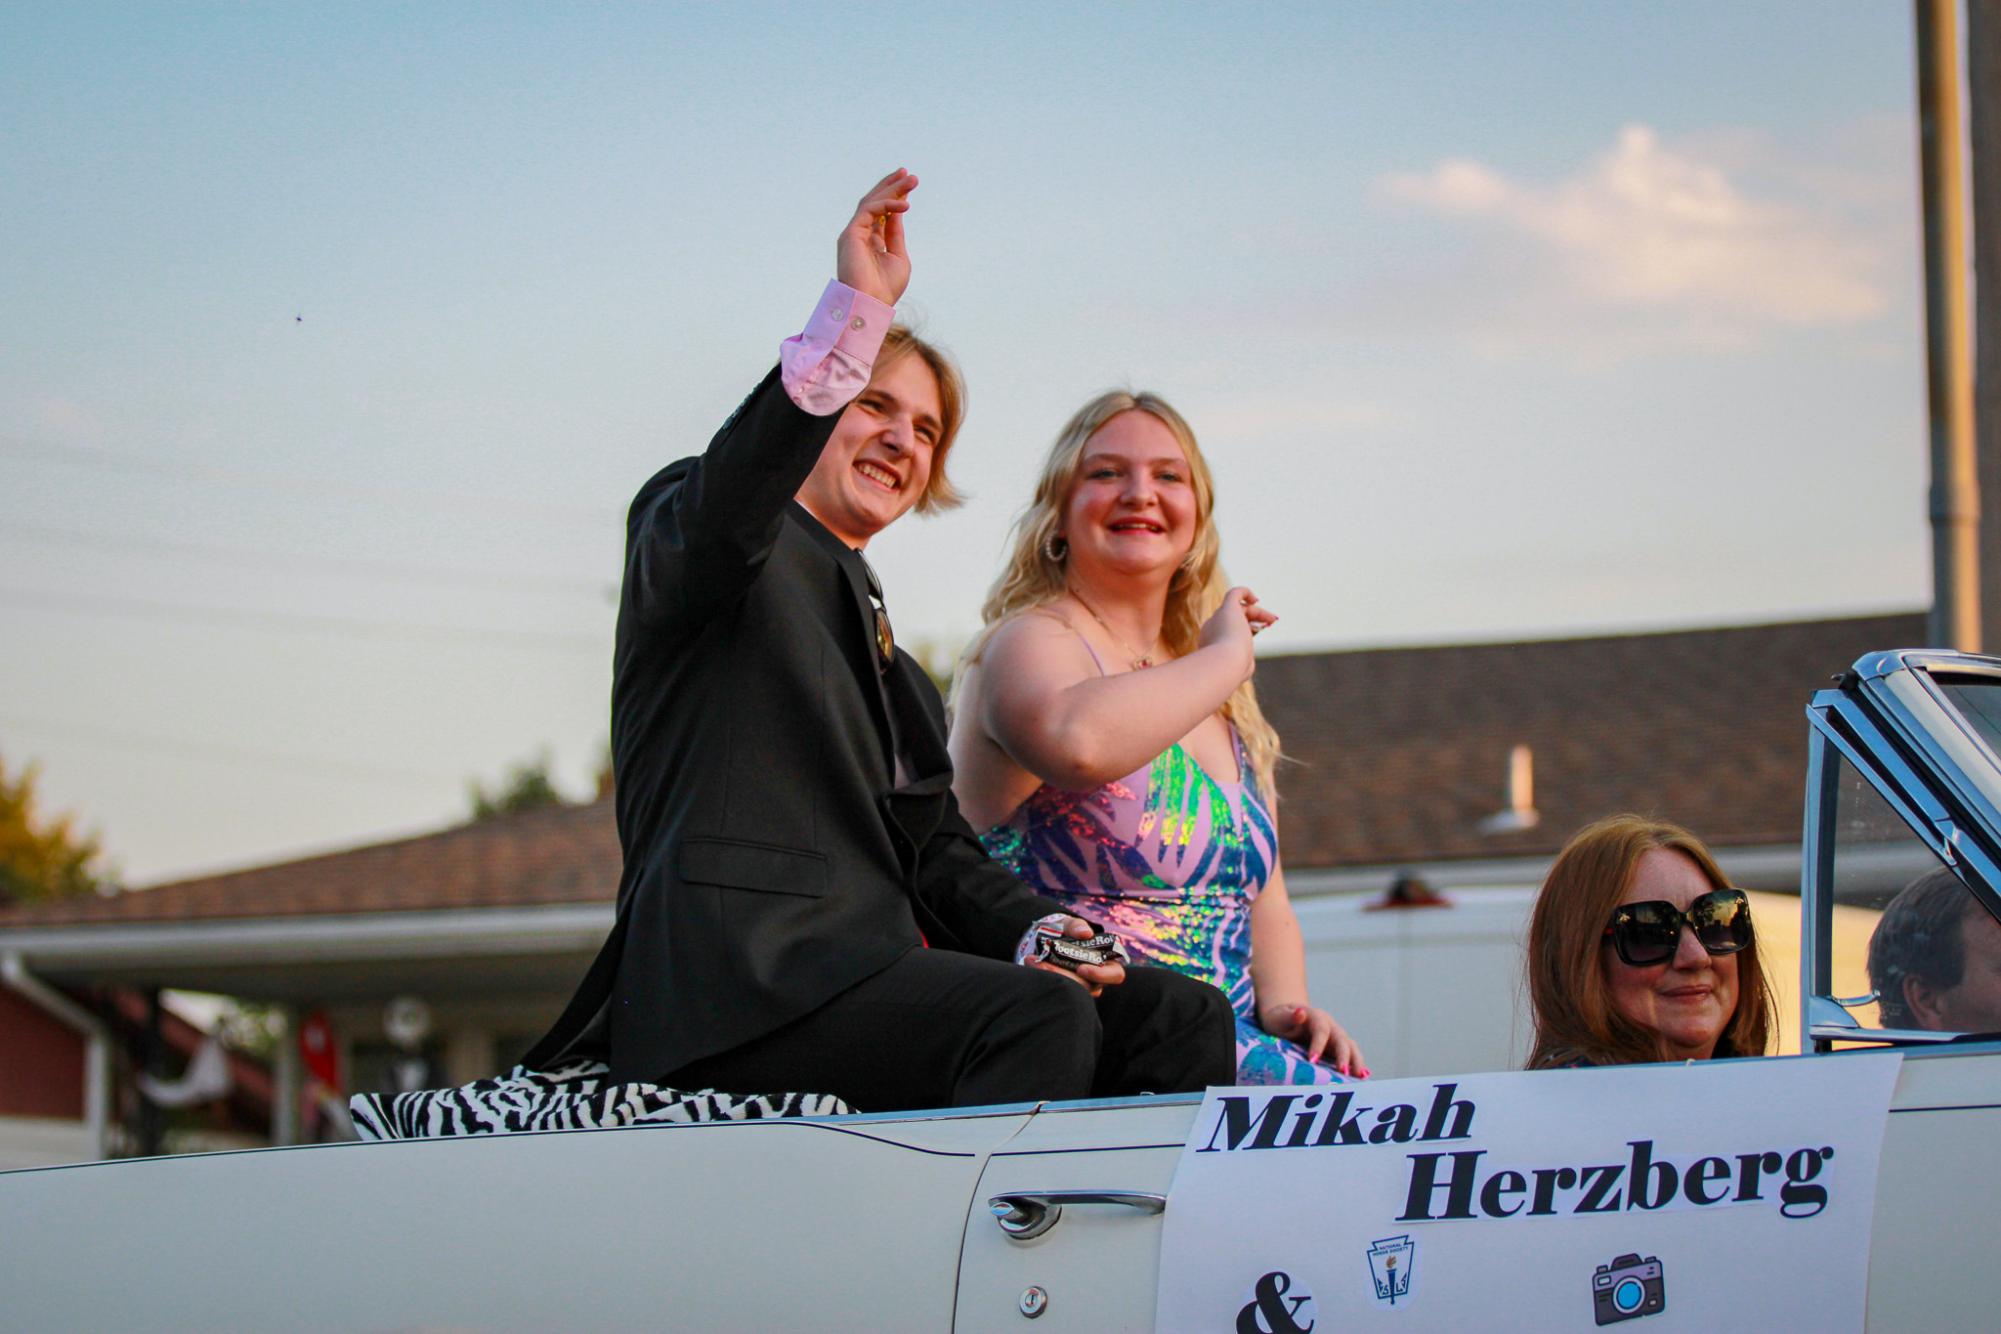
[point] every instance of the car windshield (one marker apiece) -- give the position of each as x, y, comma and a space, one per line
1919, 947
1978, 700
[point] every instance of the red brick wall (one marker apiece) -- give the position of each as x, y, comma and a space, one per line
41, 1061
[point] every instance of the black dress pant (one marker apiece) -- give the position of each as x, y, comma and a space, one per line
943, 1029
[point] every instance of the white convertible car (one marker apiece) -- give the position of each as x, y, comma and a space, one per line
1025, 1218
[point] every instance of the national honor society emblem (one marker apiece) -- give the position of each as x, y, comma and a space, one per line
1390, 1263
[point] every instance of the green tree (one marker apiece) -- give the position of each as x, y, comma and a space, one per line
940, 661
43, 857
602, 779
526, 786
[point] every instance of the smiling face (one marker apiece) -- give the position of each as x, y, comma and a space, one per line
1132, 505
878, 461
1689, 1000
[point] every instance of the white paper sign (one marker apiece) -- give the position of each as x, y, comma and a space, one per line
1716, 1195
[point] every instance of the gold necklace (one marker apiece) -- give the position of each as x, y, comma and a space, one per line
1138, 660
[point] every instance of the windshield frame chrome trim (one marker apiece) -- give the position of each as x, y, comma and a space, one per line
1893, 723
1902, 688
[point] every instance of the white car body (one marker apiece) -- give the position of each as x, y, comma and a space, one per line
884, 1222
853, 1223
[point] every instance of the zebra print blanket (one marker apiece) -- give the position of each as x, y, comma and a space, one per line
571, 1097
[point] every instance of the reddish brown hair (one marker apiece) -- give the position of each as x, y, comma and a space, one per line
1574, 1019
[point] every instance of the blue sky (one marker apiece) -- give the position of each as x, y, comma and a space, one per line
336, 338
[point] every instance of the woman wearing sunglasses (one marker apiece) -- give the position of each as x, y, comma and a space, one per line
1640, 950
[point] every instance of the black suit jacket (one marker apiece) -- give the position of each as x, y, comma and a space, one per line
769, 861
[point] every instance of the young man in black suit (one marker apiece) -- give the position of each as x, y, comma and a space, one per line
803, 907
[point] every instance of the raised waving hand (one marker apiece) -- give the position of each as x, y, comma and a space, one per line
870, 255
1234, 623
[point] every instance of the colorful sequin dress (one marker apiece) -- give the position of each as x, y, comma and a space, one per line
1170, 858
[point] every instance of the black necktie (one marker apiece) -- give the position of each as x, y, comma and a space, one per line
885, 638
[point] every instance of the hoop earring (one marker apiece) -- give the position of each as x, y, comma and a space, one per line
1056, 547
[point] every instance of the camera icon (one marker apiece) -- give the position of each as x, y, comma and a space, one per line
1627, 1289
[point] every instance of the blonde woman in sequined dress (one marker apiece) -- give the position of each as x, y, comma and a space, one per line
1106, 736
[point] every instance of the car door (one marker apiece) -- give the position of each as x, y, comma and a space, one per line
849, 1223
1096, 1266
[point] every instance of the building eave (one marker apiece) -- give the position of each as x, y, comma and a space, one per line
313, 957
1772, 866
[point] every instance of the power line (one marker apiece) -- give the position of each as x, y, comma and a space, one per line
373, 773
97, 604
292, 483
269, 560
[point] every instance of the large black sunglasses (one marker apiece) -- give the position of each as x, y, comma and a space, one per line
1649, 933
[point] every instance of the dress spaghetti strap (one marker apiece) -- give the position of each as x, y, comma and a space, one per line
1065, 622
1095, 662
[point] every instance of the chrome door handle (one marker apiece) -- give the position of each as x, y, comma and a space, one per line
1025, 1215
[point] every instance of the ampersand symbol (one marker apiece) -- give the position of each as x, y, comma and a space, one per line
1269, 1311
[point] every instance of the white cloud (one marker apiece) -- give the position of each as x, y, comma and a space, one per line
1647, 227
67, 420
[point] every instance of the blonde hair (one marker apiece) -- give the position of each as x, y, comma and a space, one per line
1574, 1017
898, 343
1031, 578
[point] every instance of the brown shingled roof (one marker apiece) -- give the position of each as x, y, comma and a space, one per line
1400, 754
558, 854
1403, 751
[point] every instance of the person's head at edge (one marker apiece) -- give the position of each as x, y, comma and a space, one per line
1590, 1006
1039, 568
887, 454
1921, 967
